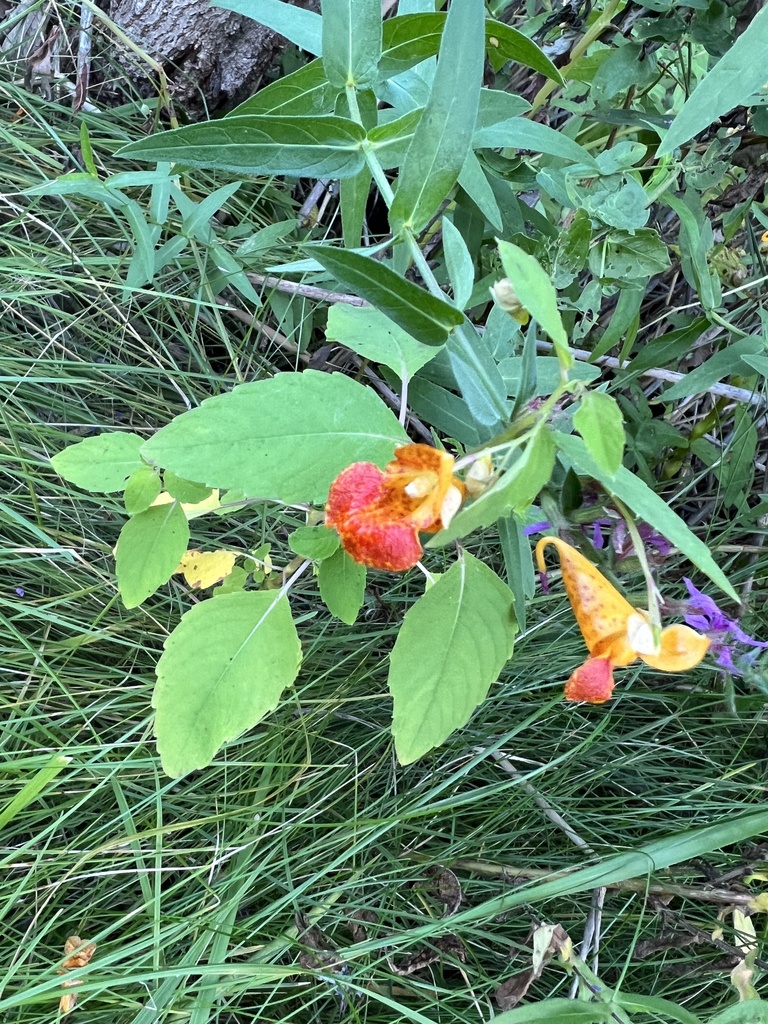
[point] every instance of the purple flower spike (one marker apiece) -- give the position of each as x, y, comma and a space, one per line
705, 616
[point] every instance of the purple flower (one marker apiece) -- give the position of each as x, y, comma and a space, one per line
20, 591
539, 527
705, 616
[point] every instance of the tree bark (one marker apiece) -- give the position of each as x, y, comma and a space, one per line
213, 57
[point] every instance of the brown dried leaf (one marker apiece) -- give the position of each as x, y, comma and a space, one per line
78, 954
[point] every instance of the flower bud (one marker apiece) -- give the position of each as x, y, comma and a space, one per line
505, 295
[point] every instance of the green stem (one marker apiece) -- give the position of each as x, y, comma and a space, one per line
653, 601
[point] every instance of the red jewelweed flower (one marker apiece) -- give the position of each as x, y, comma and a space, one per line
380, 513
615, 633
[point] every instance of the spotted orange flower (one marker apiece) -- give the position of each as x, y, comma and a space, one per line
380, 513
615, 633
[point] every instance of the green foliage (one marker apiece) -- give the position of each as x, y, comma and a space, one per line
453, 643
252, 441
207, 694
176, 285
148, 551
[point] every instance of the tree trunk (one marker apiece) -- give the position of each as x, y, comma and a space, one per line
213, 57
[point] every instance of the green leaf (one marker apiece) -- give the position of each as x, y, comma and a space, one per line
663, 1008
518, 562
725, 363
458, 262
505, 43
286, 438
223, 668
445, 411
353, 196
553, 1011
184, 490
514, 491
312, 147
738, 471
625, 256
520, 133
599, 421
759, 363
351, 41
547, 374
101, 464
342, 585
753, 1011
303, 93
537, 294
141, 490
444, 135
390, 141
408, 40
315, 542
425, 317
374, 336
649, 506
477, 376
149, 549
302, 27
733, 81
452, 645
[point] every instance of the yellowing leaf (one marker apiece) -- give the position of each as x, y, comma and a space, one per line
200, 508
204, 568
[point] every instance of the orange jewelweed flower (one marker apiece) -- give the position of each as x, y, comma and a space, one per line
380, 513
615, 633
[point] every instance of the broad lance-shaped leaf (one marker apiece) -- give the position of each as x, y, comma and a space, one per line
735, 80
286, 438
425, 317
649, 506
444, 135
451, 647
102, 464
149, 549
312, 147
373, 335
351, 41
223, 668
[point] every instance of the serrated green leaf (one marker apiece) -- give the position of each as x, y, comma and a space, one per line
537, 294
102, 464
149, 549
301, 26
286, 438
425, 317
649, 506
223, 668
141, 490
733, 81
351, 41
313, 147
374, 336
342, 585
514, 491
601, 424
315, 542
444, 134
452, 645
